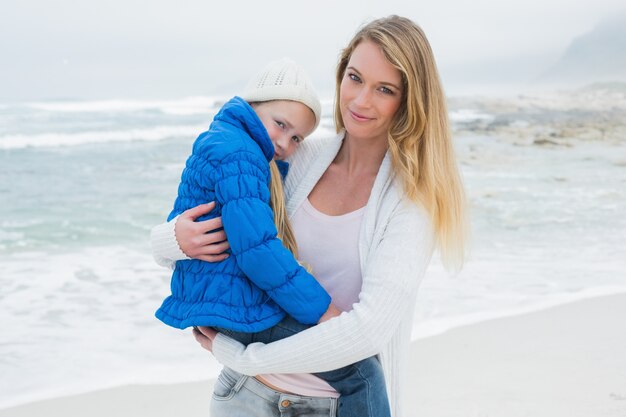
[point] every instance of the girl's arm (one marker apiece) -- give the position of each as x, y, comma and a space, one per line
259, 253
241, 189
390, 281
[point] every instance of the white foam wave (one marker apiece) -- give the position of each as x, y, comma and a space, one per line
93, 314
469, 115
77, 298
184, 106
80, 138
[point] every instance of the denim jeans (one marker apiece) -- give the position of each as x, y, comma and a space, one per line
361, 385
237, 395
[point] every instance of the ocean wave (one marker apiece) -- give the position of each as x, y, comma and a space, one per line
184, 106
89, 137
75, 298
469, 115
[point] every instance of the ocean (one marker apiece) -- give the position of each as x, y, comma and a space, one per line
82, 183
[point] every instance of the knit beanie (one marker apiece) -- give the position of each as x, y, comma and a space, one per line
283, 80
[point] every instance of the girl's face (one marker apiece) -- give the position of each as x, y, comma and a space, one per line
370, 92
287, 123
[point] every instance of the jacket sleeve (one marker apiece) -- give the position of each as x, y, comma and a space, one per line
241, 189
391, 278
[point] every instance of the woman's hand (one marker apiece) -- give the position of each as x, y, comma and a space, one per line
194, 238
205, 336
332, 311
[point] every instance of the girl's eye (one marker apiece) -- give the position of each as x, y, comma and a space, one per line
354, 77
280, 124
296, 139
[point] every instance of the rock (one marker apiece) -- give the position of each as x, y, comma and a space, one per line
543, 142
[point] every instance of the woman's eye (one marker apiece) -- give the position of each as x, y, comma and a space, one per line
386, 90
354, 77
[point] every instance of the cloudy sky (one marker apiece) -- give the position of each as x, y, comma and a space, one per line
161, 48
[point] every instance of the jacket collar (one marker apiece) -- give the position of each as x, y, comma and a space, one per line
238, 113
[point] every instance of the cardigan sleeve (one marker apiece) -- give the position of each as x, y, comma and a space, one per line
165, 248
390, 281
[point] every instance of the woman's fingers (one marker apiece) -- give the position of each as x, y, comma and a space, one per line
216, 248
204, 341
205, 336
210, 252
201, 210
196, 239
211, 224
207, 331
210, 238
212, 258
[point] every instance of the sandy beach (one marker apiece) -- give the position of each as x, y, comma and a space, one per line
567, 361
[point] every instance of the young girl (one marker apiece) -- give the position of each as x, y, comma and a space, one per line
250, 293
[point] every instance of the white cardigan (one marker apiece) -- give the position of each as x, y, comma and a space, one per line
396, 243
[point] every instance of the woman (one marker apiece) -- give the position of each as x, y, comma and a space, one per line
392, 167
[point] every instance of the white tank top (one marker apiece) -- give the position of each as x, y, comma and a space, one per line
330, 244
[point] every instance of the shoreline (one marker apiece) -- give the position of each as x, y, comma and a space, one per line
439, 326
527, 364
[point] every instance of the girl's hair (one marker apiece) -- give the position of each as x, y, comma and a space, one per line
277, 203
419, 137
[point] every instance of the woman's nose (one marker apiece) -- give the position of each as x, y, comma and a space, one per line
363, 97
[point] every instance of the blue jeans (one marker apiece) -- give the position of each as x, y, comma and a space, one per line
237, 395
361, 385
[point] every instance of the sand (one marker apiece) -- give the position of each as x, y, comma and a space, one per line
567, 361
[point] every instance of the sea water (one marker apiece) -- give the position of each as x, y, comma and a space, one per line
82, 183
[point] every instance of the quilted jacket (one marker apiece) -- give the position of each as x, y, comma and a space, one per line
261, 281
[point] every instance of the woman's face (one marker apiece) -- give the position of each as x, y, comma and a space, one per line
370, 92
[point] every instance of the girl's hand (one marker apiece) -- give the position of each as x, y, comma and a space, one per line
205, 336
194, 238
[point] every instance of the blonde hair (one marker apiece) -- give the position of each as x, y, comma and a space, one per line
419, 138
277, 203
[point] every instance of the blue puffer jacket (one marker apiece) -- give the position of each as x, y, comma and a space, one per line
253, 288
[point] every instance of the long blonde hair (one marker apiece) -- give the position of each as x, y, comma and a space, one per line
419, 138
277, 203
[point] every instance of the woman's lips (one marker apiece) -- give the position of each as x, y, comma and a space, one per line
359, 117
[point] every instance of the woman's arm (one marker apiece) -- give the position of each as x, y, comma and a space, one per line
390, 281
185, 238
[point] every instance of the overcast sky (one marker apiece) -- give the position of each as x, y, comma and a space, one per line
162, 48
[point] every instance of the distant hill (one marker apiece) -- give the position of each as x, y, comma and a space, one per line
597, 56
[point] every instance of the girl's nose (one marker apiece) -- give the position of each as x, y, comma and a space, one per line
281, 142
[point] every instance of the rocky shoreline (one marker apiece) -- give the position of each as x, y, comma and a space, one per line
593, 113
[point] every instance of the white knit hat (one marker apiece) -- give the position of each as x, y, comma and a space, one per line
283, 80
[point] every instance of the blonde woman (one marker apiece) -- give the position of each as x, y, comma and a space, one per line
260, 293
368, 207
